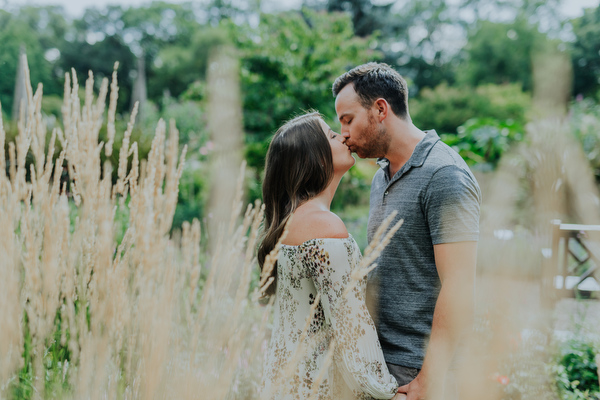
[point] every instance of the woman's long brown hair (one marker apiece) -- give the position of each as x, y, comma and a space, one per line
299, 166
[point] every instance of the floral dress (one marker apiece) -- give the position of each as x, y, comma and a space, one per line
300, 363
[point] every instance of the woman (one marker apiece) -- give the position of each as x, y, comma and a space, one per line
305, 163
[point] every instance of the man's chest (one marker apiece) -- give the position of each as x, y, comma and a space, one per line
405, 197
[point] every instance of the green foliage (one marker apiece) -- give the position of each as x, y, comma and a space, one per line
479, 124
585, 123
55, 364
288, 66
190, 121
586, 52
409, 36
501, 53
14, 32
367, 18
577, 372
482, 141
193, 194
100, 58
177, 67
52, 105
445, 108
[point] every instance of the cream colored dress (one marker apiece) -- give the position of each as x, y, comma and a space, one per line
357, 369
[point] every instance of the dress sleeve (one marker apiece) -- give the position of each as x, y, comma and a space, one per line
358, 353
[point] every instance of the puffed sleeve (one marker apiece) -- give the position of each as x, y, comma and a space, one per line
358, 353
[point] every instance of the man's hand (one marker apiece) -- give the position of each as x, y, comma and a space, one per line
415, 390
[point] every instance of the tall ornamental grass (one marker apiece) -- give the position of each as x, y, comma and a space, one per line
90, 313
84, 316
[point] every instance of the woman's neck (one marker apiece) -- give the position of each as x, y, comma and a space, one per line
323, 199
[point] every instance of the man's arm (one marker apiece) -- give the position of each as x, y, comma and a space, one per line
455, 263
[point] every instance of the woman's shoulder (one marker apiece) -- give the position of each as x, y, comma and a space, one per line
314, 224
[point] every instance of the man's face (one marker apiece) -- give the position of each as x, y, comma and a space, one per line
364, 135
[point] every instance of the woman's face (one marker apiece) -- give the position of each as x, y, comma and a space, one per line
340, 153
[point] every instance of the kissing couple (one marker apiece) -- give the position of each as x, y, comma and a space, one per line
420, 295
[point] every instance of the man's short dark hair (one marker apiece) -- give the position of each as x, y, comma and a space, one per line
373, 81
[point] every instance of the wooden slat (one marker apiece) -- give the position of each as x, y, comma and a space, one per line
577, 227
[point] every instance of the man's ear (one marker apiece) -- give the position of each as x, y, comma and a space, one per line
382, 108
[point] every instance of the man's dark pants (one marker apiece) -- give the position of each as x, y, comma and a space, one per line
403, 375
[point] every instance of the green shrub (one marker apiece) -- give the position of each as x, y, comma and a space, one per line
585, 124
482, 141
52, 105
577, 372
193, 192
189, 117
445, 108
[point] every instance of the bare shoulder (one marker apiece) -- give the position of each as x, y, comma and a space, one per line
313, 224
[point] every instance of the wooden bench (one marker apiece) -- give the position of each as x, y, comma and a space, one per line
571, 263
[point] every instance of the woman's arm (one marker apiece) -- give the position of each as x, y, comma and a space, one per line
358, 353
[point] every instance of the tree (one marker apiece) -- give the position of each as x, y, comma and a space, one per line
586, 52
177, 67
289, 63
36, 29
144, 31
367, 18
100, 58
288, 66
501, 53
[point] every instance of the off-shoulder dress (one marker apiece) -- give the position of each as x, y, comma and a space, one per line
357, 369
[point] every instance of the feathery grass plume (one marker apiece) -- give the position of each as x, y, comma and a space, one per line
374, 250
120, 187
112, 110
514, 336
223, 346
226, 132
124, 315
10, 310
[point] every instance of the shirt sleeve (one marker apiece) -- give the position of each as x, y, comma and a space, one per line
358, 353
452, 201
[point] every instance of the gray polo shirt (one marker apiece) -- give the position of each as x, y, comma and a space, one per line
438, 197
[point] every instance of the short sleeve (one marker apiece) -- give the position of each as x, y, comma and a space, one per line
452, 202
358, 352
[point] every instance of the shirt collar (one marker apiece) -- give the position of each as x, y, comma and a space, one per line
419, 153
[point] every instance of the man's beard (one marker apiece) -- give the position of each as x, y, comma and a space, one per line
377, 143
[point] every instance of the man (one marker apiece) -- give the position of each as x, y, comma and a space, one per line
424, 283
